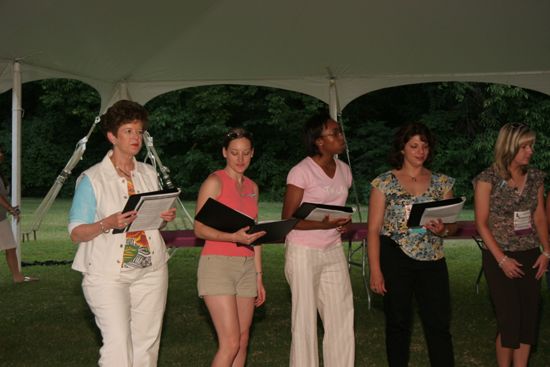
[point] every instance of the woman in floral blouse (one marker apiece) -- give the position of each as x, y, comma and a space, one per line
510, 218
409, 262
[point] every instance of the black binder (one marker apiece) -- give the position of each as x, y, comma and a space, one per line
135, 201
223, 218
417, 209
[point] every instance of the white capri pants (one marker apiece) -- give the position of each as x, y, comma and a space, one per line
128, 310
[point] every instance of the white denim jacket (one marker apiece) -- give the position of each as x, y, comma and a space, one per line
103, 254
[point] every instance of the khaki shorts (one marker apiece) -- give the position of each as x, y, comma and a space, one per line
219, 275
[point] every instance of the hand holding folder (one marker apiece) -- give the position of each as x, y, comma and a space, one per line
318, 212
148, 206
223, 218
447, 210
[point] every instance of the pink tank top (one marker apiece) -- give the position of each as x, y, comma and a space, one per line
244, 201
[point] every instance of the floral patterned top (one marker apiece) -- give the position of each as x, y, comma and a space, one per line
420, 245
505, 202
137, 253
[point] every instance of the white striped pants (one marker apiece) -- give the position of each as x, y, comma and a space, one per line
319, 281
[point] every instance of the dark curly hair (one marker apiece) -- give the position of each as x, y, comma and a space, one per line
403, 135
313, 130
121, 113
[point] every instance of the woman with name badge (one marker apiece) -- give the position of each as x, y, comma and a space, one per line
510, 218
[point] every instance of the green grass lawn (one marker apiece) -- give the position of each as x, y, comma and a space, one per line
48, 323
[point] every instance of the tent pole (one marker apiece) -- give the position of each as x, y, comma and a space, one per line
16, 151
333, 103
336, 115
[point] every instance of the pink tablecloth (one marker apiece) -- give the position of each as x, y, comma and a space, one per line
356, 232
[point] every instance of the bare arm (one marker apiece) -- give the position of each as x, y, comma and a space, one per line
260, 299
87, 232
6, 204
377, 206
293, 198
541, 225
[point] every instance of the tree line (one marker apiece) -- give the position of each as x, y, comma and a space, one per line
187, 126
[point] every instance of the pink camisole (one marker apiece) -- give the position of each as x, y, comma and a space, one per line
244, 201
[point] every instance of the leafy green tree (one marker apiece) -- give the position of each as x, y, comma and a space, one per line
188, 127
57, 113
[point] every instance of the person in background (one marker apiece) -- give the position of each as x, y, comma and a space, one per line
229, 275
7, 240
511, 220
407, 263
125, 275
315, 264
548, 218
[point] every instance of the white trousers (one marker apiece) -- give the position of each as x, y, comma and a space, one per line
320, 282
128, 310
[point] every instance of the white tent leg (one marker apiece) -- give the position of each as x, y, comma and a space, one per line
16, 151
333, 103
336, 115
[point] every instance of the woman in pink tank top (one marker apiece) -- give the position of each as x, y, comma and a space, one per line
229, 276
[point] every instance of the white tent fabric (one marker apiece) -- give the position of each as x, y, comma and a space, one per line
139, 49
142, 49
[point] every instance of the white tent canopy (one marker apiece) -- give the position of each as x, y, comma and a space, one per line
141, 49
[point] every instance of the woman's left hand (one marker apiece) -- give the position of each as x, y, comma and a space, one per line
260, 299
542, 265
344, 228
437, 227
168, 215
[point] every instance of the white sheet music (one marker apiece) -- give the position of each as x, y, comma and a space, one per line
318, 214
447, 213
149, 209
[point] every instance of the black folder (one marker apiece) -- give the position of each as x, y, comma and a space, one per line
276, 231
223, 218
418, 209
135, 202
323, 210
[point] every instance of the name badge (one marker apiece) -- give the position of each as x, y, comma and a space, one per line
522, 223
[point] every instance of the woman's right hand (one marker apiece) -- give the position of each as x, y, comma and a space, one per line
377, 282
119, 220
511, 268
336, 222
241, 236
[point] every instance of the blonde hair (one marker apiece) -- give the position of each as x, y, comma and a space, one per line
510, 138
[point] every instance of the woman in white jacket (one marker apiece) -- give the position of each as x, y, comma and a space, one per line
125, 277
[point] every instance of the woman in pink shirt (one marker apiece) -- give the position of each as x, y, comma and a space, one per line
230, 270
315, 265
